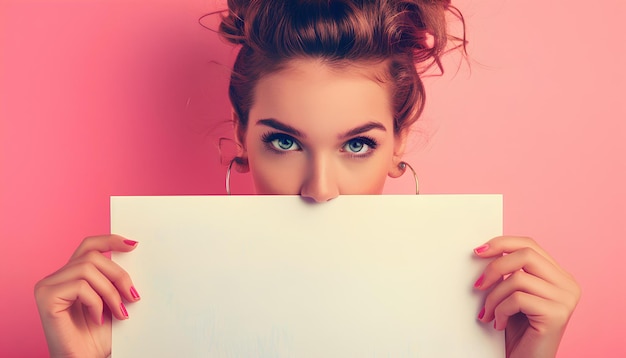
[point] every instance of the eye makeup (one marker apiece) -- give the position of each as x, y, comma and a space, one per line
366, 142
280, 143
358, 147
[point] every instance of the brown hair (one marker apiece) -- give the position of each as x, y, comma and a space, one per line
271, 32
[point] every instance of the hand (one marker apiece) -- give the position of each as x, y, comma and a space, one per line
532, 297
77, 301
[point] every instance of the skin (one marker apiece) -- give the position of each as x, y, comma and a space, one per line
331, 132
77, 302
319, 162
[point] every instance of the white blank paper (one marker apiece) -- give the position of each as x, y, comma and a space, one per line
274, 276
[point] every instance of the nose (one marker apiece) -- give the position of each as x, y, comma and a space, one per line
320, 184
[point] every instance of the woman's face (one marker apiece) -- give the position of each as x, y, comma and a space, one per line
319, 132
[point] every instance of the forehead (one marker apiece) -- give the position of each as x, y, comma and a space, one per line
310, 93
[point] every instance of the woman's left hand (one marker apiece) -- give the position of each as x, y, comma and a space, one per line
532, 297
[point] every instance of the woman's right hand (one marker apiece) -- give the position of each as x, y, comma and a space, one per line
77, 301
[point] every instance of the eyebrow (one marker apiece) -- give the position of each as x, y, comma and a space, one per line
276, 124
273, 123
362, 129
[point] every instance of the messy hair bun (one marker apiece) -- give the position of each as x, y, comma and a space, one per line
410, 34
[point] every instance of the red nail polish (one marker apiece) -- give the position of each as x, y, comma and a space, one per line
130, 242
481, 249
479, 281
494, 324
481, 314
133, 292
123, 309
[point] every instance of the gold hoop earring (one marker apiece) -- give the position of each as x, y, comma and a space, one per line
402, 166
243, 162
230, 167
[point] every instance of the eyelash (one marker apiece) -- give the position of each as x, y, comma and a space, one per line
368, 141
269, 137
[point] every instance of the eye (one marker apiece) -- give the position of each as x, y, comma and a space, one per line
285, 143
356, 146
360, 145
281, 142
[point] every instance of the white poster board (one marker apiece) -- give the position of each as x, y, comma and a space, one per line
261, 276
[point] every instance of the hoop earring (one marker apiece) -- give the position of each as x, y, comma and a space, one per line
230, 167
402, 166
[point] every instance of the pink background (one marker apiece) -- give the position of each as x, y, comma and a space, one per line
120, 98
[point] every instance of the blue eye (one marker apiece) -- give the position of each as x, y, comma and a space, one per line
284, 143
281, 142
356, 146
360, 146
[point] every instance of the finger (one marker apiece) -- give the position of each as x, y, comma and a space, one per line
543, 315
53, 300
109, 269
522, 282
104, 243
103, 287
507, 244
113, 272
526, 259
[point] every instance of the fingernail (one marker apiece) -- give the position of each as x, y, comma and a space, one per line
479, 281
130, 242
481, 249
133, 292
494, 324
481, 314
123, 308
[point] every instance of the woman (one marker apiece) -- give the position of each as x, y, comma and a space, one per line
323, 95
